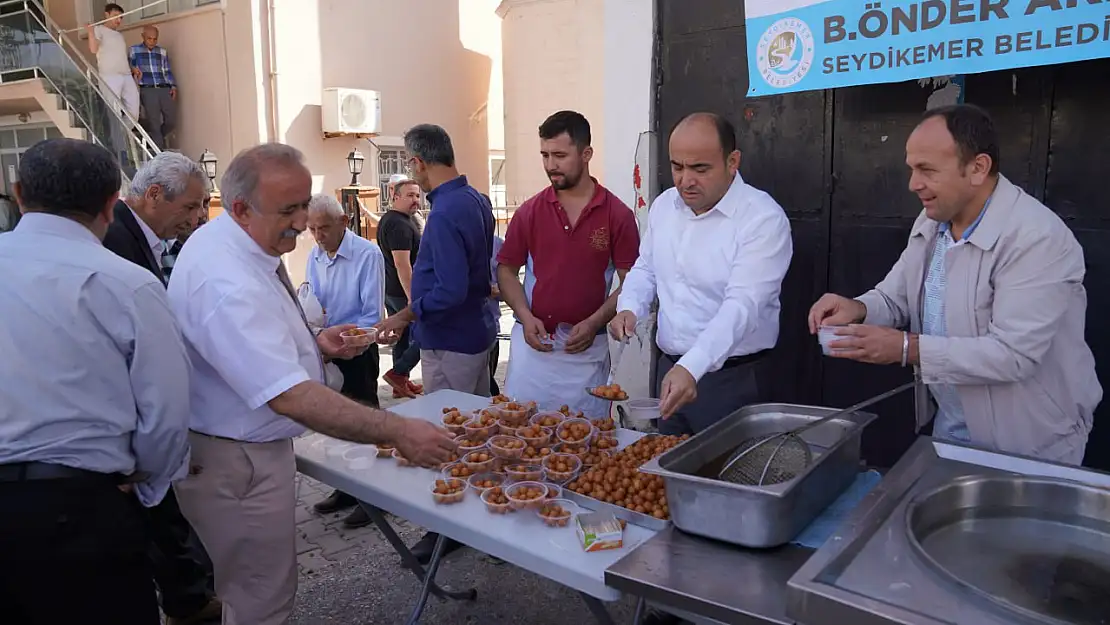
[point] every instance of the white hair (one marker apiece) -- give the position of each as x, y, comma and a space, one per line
326, 204
169, 170
240, 180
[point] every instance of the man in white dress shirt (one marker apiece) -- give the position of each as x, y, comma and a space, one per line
715, 252
257, 383
93, 388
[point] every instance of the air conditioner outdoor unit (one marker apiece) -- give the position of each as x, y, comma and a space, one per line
351, 111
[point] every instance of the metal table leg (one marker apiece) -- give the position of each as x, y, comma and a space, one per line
638, 616
598, 609
410, 562
429, 581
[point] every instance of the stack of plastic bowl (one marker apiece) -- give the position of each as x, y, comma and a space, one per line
562, 333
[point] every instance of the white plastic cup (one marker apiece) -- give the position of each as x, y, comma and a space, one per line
642, 411
335, 447
360, 457
826, 335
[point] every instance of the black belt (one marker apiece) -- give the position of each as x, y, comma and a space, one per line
156, 86
219, 438
24, 471
734, 361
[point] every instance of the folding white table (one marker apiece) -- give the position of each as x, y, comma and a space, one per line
520, 539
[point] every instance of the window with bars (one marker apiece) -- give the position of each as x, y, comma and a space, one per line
14, 141
497, 181
391, 161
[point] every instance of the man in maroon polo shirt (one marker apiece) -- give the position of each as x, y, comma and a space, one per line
573, 237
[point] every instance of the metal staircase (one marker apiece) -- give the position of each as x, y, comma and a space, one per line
33, 47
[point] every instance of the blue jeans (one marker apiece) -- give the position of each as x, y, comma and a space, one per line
406, 351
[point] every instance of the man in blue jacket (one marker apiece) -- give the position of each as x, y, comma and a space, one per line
450, 281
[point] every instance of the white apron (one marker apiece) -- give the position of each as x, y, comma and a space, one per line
554, 378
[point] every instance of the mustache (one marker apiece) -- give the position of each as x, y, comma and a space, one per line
291, 233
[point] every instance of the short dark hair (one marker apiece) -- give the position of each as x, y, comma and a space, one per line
726, 132
112, 6
973, 130
573, 123
67, 177
431, 144
401, 184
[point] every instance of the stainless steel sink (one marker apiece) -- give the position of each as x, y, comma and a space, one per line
754, 516
1036, 547
953, 533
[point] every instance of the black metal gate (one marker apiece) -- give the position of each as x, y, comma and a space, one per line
835, 160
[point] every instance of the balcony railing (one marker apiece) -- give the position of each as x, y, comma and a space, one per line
31, 42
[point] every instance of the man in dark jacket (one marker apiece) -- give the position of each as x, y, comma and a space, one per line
166, 196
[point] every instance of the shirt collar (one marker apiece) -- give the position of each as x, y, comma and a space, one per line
988, 225
550, 197
54, 225
243, 244
726, 206
152, 239
453, 184
946, 227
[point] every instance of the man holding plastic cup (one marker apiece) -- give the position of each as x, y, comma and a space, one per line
715, 252
986, 302
346, 273
572, 237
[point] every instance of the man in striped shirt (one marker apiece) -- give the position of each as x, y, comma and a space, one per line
150, 64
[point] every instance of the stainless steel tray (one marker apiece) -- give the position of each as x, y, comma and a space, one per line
1036, 547
633, 517
755, 516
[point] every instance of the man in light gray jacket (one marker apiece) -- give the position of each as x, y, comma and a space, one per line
987, 301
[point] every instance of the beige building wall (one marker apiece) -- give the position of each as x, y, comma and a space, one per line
480, 31
254, 70
552, 61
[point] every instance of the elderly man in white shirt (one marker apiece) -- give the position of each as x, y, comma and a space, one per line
257, 383
715, 252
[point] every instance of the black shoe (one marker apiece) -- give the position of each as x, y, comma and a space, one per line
335, 502
424, 547
357, 518
655, 617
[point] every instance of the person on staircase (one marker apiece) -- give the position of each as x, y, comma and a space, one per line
107, 43
150, 65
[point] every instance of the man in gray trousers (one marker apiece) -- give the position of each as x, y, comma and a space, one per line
150, 65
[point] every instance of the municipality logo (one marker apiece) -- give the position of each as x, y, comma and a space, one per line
785, 52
